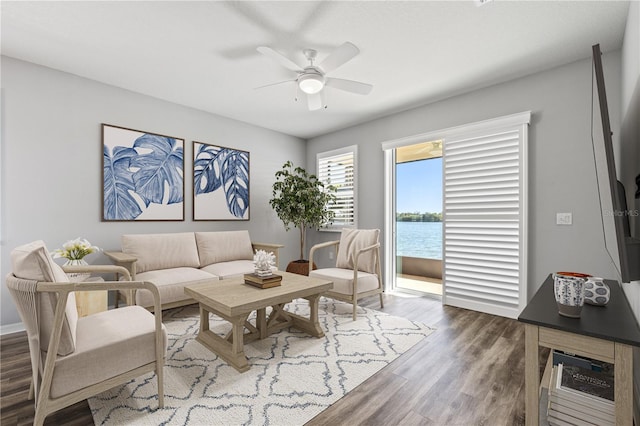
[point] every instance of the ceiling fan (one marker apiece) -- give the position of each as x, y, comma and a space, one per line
312, 79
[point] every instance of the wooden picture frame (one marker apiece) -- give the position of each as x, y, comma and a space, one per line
142, 176
220, 183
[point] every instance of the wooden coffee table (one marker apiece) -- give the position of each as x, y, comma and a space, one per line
233, 300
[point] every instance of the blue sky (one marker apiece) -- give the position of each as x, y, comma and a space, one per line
419, 186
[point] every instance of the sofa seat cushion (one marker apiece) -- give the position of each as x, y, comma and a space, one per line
223, 246
170, 283
343, 280
102, 338
230, 269
33, 262
162, 251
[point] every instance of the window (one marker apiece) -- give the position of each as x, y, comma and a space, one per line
338, 168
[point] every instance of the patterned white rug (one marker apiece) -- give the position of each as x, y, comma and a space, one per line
292, 378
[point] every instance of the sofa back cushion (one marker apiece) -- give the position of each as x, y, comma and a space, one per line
33, 262
223, 246
161, 251
352, 240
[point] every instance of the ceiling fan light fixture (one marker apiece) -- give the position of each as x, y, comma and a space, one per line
311, 83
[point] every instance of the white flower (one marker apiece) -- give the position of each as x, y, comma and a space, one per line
75, 249
263, 260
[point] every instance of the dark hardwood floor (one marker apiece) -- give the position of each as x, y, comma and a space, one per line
470, 371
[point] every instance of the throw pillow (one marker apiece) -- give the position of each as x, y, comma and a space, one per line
352, 240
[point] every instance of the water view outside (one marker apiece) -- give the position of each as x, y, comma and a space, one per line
419, 239
419, 207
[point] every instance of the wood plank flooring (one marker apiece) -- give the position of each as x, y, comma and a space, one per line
470, 371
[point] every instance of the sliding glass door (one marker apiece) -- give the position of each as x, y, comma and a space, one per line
484, 213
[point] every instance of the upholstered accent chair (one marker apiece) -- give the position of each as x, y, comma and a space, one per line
357, 272
74, 358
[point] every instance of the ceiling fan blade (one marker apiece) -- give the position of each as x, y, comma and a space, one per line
316, 101
274, 84
349, 85
279, 57
339, 56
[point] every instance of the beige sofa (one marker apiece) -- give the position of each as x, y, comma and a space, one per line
173, 260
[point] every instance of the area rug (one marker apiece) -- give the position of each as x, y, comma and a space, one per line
292, 376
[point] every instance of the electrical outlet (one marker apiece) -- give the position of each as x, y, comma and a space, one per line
564, 218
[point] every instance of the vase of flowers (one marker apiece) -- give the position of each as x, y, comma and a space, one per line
263, 262
75, 251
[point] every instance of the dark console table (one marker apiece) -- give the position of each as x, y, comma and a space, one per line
606, 333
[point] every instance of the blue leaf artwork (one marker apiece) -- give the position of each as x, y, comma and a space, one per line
221, 183
142, 175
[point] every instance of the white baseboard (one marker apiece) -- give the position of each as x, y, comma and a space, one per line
11, 328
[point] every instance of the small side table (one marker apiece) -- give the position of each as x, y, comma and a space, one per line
91, 302
606, 333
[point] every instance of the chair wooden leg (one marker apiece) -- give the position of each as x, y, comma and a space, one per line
381, 302
355, 307
31, 391
38, 418
160, 376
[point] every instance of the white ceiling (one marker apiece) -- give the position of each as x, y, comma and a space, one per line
203, 54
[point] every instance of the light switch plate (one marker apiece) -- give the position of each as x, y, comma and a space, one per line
564, 218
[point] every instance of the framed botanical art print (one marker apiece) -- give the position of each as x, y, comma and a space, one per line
220, 183
142, 175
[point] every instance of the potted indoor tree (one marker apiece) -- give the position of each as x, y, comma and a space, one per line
301, 200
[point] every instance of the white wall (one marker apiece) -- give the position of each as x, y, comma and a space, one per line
628, 164
51, 160
561, 169
631, 55
630, 144
630, 139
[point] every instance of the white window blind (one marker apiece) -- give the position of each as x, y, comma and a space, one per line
485, 219
338, 168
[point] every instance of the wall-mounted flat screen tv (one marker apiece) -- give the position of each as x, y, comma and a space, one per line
621, 246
